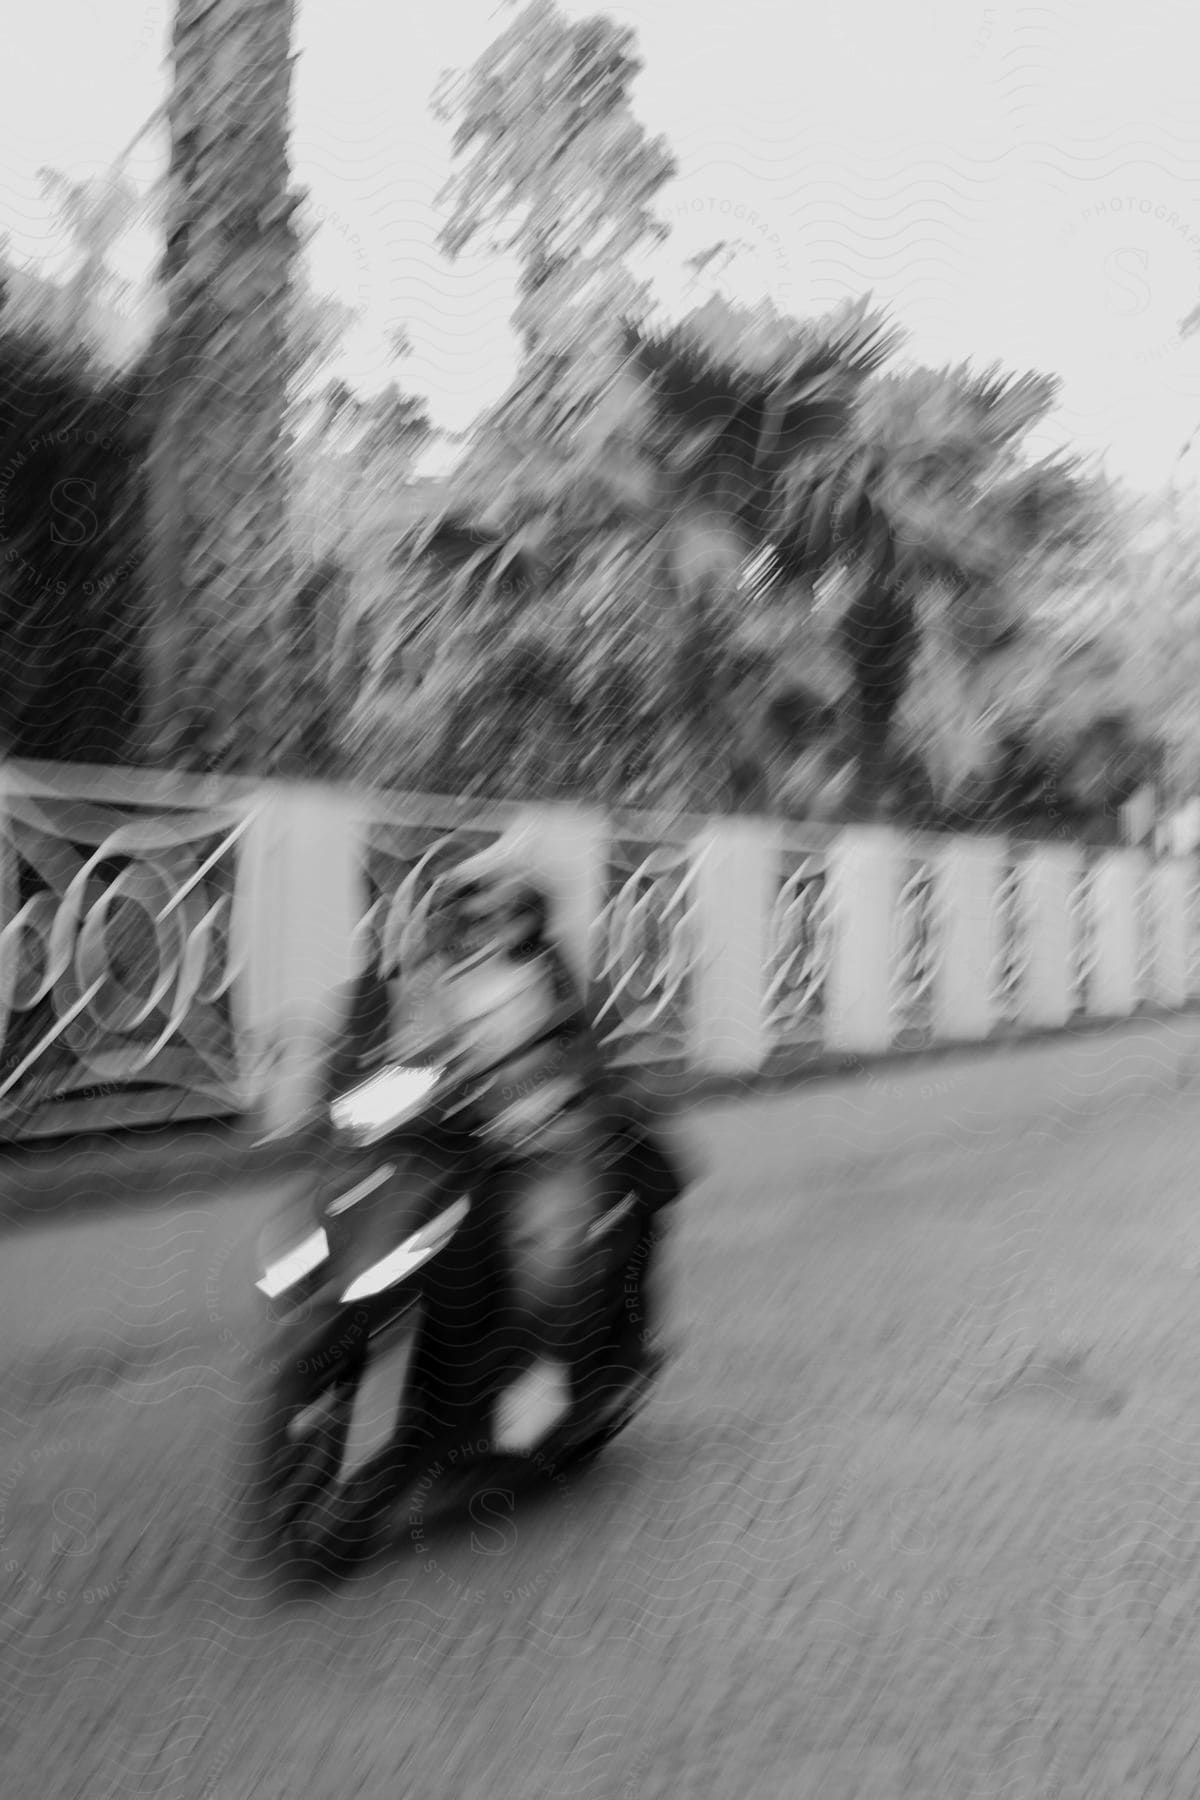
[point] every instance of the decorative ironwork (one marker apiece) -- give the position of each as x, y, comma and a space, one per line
1012, 944
646, 948
800, 944
404, 859
116, 963
1084, 944
916, 946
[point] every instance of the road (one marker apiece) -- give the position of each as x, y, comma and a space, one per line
916, 1511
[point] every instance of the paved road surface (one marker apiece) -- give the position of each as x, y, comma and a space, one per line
916, 1513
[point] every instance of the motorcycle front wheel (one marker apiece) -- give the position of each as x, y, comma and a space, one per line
314, 1444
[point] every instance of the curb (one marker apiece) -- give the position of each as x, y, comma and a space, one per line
799, 1067
174, 1163
166, 1165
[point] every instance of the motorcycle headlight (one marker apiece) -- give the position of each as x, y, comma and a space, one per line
385, 1102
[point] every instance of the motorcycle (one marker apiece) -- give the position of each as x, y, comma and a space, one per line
390, 1356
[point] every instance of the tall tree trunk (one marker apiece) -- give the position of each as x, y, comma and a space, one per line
219, 562
879, 637
705, 559
864, 803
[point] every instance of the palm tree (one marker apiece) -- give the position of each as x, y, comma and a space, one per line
737, 459
929, 511
637, 526
630, 536
218, 502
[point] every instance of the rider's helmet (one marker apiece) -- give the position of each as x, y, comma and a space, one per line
487, 903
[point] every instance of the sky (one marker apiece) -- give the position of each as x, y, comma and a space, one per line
1015, 183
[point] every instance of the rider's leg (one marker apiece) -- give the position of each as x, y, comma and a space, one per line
578, 1299
547, 1220
556, 1265
562, 1275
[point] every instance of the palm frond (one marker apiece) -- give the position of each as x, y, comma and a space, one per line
1048, 503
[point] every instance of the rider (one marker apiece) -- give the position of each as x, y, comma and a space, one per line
489, 913
490, 979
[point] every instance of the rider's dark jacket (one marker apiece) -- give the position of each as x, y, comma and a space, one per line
363, 1033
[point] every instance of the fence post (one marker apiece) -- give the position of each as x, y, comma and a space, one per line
1114, 987
1047, 990
967, 873
863, 885
1171, 881
300, 896
8, 906
732, 895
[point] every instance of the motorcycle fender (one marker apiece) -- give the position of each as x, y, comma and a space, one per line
309, 1333
398, 1271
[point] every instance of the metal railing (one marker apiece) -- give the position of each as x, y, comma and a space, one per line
117, 949
128, 910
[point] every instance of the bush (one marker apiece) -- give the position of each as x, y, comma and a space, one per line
72, 457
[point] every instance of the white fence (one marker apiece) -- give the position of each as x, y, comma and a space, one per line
169, 946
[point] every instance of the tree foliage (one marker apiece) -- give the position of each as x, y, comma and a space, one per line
737, 461
555, 171
72, 459
76, 450
729, 560
661, 491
